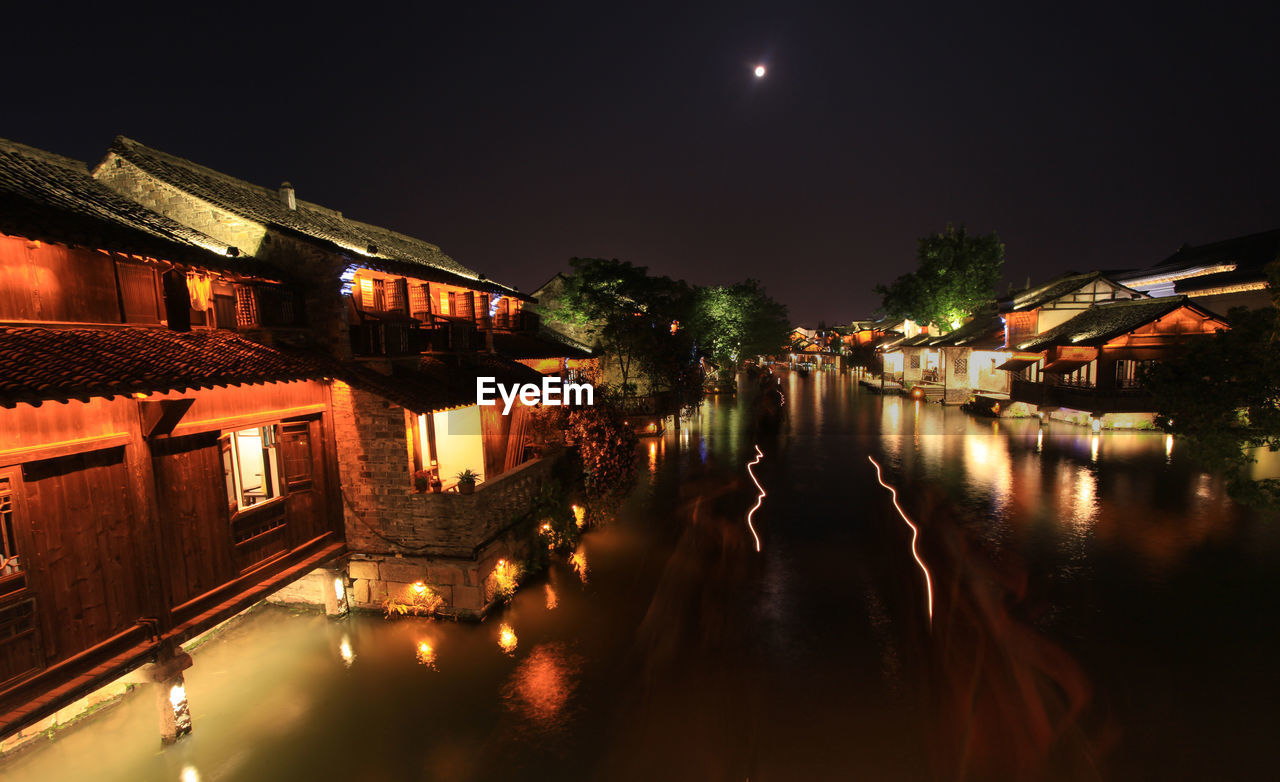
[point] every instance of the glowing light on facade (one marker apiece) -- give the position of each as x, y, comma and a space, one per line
759, 499
915, 536
507, 638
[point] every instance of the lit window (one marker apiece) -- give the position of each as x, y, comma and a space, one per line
444, 303
9, 561
251, 464
366, 293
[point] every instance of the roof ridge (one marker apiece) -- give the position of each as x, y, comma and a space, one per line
26, 150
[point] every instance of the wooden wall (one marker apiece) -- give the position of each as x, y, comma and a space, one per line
115, 527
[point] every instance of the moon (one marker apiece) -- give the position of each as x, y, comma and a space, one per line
760, 71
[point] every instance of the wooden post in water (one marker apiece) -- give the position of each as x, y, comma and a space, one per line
171, 694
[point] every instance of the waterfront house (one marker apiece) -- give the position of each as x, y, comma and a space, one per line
1219, 275
1087, 369
161, 466
417, 329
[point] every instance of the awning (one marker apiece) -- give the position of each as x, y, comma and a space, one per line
1064, 366
1018, 362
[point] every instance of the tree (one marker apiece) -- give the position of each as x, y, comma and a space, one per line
631, 316
735, 321
957, 274
1222, 396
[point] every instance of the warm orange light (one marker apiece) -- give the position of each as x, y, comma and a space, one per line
507, 638
419, 588
580, 516
426, 654
915, 535
759, 500
552, 600
579, 562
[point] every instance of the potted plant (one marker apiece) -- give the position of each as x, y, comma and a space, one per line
436, 485
422, 481
467, 482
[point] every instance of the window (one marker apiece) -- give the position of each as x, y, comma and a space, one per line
246, 307
446, 299
419, 301
295, 441
395, 296
961, 366
914, 361
9, 561
251, 465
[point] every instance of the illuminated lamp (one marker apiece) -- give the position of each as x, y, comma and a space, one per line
917, 393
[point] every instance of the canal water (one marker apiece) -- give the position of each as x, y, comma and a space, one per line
1082, 607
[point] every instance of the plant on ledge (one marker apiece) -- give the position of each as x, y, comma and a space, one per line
467, 481
418, 599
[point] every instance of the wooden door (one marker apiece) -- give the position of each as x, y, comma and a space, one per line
195, 527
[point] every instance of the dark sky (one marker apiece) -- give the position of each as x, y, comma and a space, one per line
1088, 136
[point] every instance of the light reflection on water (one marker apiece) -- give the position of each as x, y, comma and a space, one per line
1079, 588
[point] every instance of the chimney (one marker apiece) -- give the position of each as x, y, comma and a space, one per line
287, 197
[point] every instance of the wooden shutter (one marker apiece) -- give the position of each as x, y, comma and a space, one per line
139, 292
295, 446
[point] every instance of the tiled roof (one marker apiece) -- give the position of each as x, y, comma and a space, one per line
1043, 294
39, 364
53, 198
985, 330
1251, 252
370, 245
1103, 322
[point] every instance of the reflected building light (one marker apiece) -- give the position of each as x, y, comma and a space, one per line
579, 516
507, 638
189, 774
552, 600
1168, 446
653, 457
426, 654
578, 560
344, 651
1039, 440
1093, 448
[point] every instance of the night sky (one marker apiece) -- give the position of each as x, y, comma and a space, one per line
1088, 136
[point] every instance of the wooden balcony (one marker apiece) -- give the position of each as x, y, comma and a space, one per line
1088, 398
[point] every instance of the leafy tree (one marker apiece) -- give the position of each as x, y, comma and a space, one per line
630, 314
1222, 395
957, 274
735, 321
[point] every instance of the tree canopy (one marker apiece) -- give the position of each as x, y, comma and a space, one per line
732, 322
1222, 395
957, 274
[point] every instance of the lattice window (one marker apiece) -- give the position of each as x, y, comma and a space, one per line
246, 307
914, 362
9, 562
961, 366
419, 300
395, 297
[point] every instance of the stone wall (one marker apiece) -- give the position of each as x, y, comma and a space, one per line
398, 537
316, 271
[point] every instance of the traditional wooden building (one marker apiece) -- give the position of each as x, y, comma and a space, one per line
416, 328
1087, 369
160, 470
1219, 275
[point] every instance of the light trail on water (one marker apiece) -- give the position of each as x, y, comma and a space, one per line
915, 536
760, 499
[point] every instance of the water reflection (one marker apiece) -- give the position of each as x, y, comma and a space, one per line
542, 686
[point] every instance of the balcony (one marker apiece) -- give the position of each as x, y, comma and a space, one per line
1088, 398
